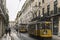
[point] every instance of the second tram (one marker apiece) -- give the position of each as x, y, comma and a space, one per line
23, 28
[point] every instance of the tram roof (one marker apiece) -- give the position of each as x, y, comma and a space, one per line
39, 22
23, 24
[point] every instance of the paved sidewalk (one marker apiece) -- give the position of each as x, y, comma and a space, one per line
15, 36
12, 37
56, 37
6, 37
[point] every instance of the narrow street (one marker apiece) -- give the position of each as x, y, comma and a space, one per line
21, 36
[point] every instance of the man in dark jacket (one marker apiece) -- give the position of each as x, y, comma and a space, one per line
7, 30
17, 30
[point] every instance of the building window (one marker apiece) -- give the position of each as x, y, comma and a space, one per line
32, 0
51, 12
35, 5
55, 0
39, 3
42, 1
55, 8
35, 14
48, 8
39, 13
43, 11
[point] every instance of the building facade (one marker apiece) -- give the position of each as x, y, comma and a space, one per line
33, 10
3, 17
29, 11
11, 23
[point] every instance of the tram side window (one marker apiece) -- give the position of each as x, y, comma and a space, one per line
33, 26
38, 25
43, 26
29, 27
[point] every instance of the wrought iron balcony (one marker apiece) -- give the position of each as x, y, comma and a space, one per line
46, 14
51, 13
36, 18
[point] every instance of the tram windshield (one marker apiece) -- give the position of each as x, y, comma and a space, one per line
46, 25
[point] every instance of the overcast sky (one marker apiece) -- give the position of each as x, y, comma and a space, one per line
13, 7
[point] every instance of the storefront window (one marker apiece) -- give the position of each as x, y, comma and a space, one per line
55, 25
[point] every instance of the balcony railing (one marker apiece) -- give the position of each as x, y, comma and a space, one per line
51, 13
46, 14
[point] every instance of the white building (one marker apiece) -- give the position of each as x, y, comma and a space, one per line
3, 17
11, 23
34, 9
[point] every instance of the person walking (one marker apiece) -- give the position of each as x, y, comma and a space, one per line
9, 31
17, 30
6, 31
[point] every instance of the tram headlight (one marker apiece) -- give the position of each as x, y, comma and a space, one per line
45, 32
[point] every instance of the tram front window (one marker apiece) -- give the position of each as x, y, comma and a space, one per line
48, 26
45, 26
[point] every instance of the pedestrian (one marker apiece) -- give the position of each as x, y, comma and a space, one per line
9, 31
17, 30
6, 31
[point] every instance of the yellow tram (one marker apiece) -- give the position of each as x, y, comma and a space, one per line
23, 28
40, 29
